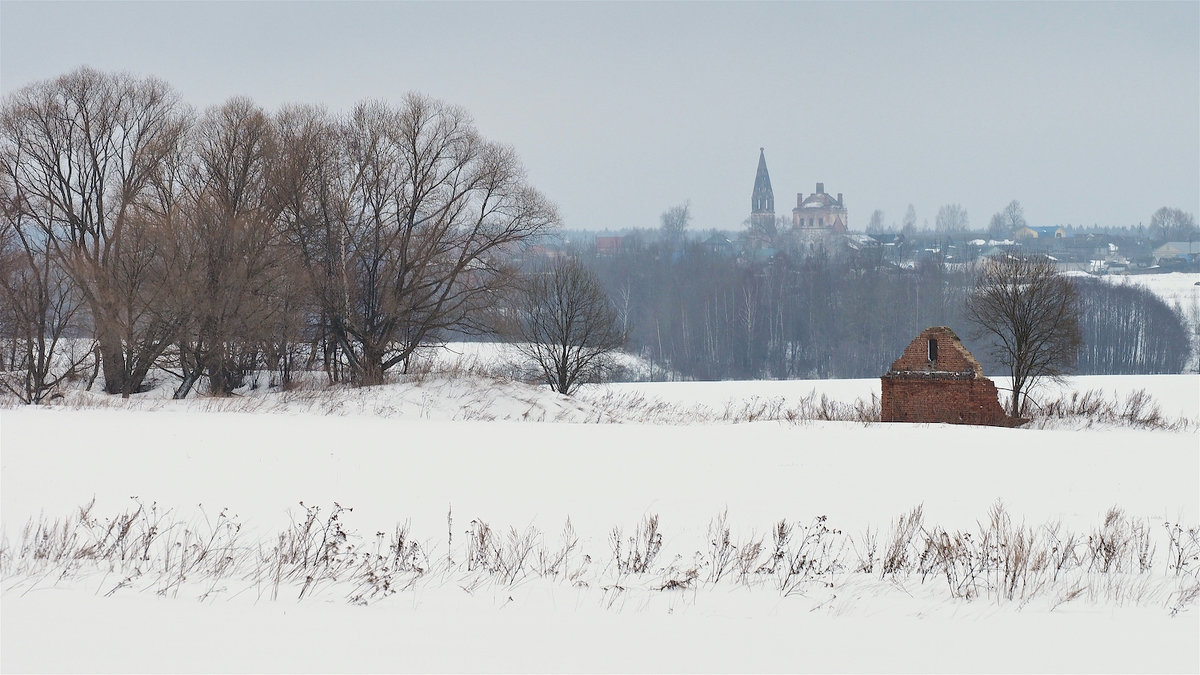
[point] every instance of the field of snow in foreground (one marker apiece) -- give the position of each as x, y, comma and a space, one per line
474, 495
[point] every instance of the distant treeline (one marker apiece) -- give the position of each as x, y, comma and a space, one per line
707, 315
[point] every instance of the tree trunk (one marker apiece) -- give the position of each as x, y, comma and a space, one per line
223, 376
112, 361
1018, 391
369, 371
185, 387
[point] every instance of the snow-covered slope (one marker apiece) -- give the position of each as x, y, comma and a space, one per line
1175, 288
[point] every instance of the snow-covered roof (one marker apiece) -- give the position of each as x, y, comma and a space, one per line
819, 200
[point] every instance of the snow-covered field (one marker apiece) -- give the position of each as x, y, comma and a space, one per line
211, 494
1174, 287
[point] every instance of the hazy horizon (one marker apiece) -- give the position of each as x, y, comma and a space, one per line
1087, 113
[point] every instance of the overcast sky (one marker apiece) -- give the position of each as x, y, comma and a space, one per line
1085, 112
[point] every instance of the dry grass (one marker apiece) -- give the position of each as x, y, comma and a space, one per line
147, 549
1093, 407
811, 407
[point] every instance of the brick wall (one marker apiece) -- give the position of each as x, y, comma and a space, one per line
949, 401
951, 389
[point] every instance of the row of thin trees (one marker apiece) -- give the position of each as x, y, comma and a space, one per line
707, 315
1128, 330
217, 243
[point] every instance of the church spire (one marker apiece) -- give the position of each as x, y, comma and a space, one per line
762, 201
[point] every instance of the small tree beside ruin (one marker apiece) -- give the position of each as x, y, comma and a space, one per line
1030, 313
566, 324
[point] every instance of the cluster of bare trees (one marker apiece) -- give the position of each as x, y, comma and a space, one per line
952, 218
83, 161
1127, 329
219, 243
1005, 223
1168, 224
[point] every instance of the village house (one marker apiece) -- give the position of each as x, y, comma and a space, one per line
609, 246
1046, 232
1177, 250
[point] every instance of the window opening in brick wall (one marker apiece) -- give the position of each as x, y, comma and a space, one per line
932, 350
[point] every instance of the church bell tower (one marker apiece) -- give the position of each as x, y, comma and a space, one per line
762, 200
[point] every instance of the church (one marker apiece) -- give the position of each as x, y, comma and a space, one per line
816, 216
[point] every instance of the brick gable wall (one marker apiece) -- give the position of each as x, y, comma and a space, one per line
952, 355
950, 390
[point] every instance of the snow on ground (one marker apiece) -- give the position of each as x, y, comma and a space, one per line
403, 454
503, 358
598, 475
163, 635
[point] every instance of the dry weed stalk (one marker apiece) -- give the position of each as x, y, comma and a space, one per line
146, 548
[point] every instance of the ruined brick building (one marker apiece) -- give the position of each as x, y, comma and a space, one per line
937, 380
819, 212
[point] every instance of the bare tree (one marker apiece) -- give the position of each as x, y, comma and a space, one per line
82, 153
675, 220
876, 223
37, 309
951, 218
306, 168
1031, 315
762, 232
566, 324
1005, 223
910, 220
419, 217
1173, 225
232, 257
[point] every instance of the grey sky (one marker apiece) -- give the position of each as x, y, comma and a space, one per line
1085, 112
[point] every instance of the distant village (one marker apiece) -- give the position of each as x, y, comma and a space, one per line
820, 223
